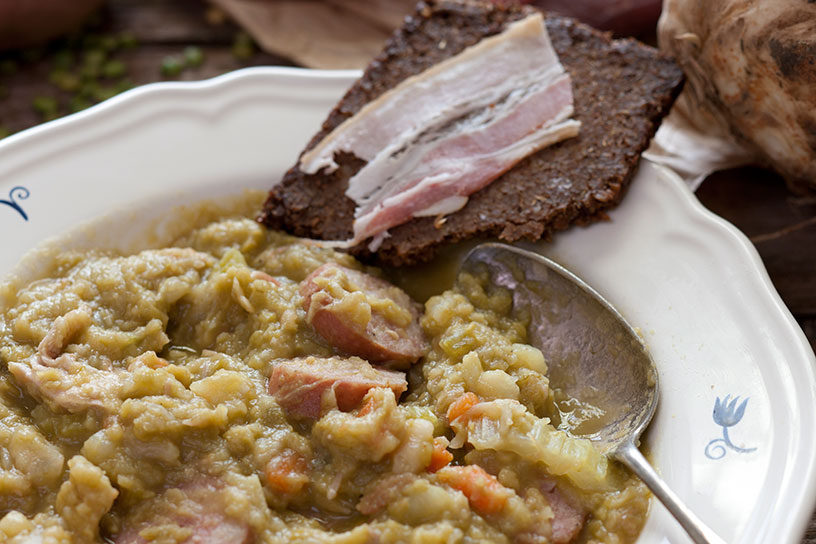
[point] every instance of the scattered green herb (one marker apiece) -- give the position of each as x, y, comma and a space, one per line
103, 93
94, 57
193, 56
92, 62
171, 66
84, 68
46, 106
123, 85
88, 90
78, 103
64, 80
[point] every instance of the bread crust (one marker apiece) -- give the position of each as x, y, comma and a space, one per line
622, 89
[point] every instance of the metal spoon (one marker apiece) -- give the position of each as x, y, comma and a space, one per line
593, 356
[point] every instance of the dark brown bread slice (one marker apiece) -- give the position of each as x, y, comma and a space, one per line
622, 89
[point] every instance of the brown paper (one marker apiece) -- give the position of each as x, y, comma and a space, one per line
330, 34
693, 147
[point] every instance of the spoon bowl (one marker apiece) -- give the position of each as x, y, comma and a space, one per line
595, 360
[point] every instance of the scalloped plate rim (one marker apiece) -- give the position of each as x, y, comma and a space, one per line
17, 151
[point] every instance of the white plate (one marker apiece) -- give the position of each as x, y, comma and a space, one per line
690, 281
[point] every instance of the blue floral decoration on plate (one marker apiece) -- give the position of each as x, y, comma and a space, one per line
727, 413
17, 192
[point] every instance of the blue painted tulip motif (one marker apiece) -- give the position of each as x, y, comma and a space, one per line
17, 193
727, 413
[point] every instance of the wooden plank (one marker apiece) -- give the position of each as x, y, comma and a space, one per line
781, 225
143, 66
809, 326
810, 535
161, 29
160, 21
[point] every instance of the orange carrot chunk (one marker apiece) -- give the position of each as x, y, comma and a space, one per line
461, 405
440, 457
483, 491
286, 472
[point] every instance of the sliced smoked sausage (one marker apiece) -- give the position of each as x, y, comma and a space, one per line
196, 509
306, 387
568, 519
359, 314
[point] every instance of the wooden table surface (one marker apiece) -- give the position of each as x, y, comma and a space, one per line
781, 225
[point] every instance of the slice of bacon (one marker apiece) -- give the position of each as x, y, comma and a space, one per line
459, 164
442, 135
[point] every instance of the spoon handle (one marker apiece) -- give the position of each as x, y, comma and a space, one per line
700, 533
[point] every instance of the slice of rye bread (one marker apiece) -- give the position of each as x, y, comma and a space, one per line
622, 89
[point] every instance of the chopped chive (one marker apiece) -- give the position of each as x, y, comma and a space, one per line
94, 57
123, 85
46, 106
44, 103
103, 93
171, 66
65, 81
88, 89
78, 103
92, 64
193, 56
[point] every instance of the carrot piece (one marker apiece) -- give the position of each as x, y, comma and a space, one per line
440, 457
461, 405
286, 472
483, 491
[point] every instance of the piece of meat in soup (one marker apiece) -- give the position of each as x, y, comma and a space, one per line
194, 511
308, 387
359, 314
568, 519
